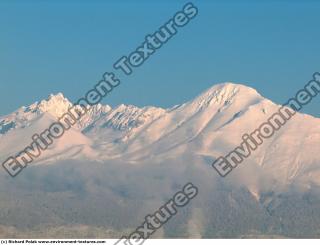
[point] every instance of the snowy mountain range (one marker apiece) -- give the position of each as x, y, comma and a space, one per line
195, 133
207, 126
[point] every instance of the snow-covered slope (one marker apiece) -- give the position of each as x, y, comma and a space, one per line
120, 157
208, 126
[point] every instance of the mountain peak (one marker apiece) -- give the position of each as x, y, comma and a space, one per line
55, 104
225, 93
229, 89
56, 96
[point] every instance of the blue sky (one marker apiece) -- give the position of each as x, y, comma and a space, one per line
65, 46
